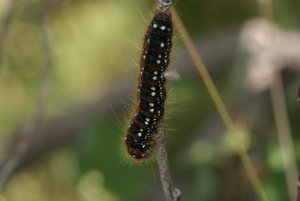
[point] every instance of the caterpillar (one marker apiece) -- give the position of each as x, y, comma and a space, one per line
151, 92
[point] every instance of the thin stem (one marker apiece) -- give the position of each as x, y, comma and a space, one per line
171, 193
163, 5
266, 8
286, 145
218, 103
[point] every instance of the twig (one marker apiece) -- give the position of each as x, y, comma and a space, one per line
5, 25
171, 193
219, 104
17, 154
286, 145
163, 5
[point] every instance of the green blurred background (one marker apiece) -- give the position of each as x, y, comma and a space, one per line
95, 45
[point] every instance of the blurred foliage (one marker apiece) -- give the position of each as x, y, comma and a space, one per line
95, 43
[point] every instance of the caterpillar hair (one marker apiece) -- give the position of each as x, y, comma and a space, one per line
151, 93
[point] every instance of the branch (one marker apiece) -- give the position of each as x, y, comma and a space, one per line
163, 5
16, 155
171, 193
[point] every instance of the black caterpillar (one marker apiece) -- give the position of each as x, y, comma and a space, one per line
151, 95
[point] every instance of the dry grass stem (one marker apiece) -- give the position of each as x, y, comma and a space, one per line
218, 103
286, 145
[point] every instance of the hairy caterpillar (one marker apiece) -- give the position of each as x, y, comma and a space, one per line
151, 92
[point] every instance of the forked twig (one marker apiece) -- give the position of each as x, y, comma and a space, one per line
16, 155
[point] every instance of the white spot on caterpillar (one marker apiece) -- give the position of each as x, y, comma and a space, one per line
158, 61
144, 56
159, 56
147, 119
151, 104
153, 94
155, 72
161, 45
141, 130
140, 134
152, 110
144, 146
146, 123
163, 27
154, 78
153, 88
154, 25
